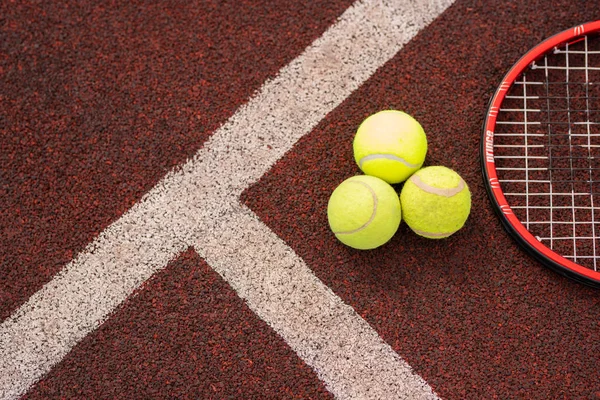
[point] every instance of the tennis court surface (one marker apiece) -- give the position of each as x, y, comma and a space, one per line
164, 177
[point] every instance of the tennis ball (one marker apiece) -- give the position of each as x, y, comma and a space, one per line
390, 145
436, 202
364, 212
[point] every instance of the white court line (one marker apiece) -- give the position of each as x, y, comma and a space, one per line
197, 205
343, 349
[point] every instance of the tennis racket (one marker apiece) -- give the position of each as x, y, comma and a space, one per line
540, 152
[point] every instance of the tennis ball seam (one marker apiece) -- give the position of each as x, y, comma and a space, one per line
380, 156
371, 218
439, 235
446, 192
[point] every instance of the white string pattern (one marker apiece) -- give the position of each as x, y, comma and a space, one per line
547, 150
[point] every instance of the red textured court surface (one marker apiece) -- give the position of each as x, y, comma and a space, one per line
98, 101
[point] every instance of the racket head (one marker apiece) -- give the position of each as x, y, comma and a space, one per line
543, 249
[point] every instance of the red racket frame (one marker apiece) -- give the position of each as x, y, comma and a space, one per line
544, 254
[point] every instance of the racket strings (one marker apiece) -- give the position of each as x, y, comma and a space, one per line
547, 150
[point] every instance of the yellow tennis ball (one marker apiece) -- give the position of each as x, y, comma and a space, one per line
436, 202
364, 212
390, 145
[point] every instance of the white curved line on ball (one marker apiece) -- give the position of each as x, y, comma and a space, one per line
363, 226
446, 192
392, 157
434, 235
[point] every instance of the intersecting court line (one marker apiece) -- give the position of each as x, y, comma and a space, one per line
198, 205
